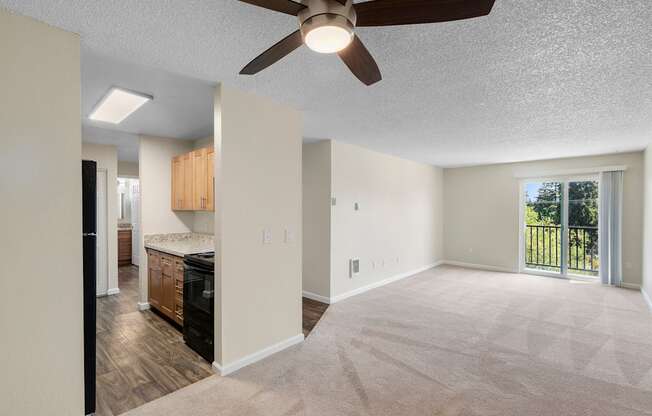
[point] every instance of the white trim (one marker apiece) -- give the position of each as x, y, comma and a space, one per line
143, 306
634, 286
564, 172
257, 356
564, 180
478, 266
314, 296
384, 282
647, 299
113, 291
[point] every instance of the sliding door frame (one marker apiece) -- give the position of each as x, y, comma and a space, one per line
564, 180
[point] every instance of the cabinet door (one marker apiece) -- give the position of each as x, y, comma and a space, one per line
188, 182
177, 183
178, 291
154, 279
200, 179
167, 286
124, 247
210, 175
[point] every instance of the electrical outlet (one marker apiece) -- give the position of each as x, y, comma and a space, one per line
267, 236
289, 237
373, 264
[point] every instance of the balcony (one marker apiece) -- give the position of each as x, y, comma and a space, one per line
543, 249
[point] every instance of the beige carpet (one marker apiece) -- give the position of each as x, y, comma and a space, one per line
451, 342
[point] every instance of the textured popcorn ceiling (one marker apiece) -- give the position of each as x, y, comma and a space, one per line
535, 79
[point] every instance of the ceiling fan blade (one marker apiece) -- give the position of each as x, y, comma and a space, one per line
409, 12
342, 2
283, 6
273, 54
360, 62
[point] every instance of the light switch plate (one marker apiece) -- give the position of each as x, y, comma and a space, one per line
267, 236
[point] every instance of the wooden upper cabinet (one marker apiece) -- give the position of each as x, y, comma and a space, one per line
178, 182
201, 180
188, 181
210, 165
192, 181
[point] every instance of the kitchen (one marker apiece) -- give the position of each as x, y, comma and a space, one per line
188, 302
155, 322
153, 336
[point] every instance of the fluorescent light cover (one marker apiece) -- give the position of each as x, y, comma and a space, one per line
117, 105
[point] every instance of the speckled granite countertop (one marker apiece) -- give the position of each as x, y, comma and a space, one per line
180, 244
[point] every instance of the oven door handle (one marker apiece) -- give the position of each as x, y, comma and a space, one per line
189, 268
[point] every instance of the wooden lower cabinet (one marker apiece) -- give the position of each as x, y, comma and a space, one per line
124, 247
165, 283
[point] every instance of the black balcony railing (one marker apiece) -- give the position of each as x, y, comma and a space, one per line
543, 248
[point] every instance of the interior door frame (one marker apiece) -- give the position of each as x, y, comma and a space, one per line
105, 184
564, 180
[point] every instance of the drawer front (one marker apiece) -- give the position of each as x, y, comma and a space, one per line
153, 260
178, 268
166, 264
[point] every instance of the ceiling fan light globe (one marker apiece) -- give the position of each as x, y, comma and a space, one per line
328, 39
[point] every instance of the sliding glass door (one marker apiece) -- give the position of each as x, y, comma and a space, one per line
560, 227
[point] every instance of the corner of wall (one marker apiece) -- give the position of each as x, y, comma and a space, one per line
646, 279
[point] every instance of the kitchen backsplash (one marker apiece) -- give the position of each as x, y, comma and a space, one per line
204, 222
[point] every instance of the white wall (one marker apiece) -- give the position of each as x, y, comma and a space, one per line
258, 187
482, 210
316, 165
647, 228
398, 227
156, 215
127, 169
106, 157
41, 341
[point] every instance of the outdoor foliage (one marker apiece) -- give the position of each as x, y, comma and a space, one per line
543, 234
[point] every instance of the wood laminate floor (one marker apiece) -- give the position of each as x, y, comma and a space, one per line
312, 313
141, 356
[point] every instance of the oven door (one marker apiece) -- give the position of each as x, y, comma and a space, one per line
198, 289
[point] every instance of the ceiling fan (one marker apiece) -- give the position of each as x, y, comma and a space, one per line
327, 26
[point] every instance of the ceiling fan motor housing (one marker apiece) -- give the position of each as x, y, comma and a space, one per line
326, 13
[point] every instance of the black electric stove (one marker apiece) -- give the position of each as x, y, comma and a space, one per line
198, 303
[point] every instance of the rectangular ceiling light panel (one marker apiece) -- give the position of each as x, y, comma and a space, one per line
117, 105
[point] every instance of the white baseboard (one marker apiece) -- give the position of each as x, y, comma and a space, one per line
647, 299
143, 306
314, 296
478, 266
257, 356
630, 286
113, 291
383, 282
